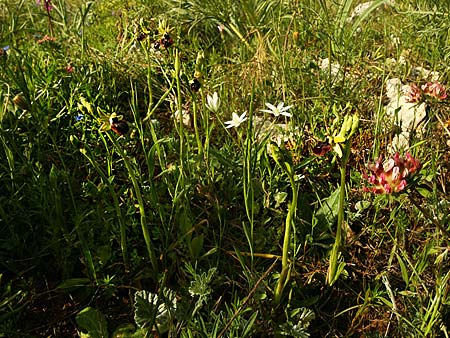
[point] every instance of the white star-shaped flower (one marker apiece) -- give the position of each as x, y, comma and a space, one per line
236, 120
278, 110
213, 102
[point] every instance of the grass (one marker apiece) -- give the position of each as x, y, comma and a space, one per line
177, 226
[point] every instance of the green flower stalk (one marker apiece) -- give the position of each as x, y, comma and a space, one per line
349, 127
285, 268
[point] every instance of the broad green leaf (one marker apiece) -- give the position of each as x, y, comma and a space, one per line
196, 246
151, 309
93, 322
328, 212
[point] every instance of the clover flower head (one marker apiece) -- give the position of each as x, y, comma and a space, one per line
280, 109
236, 120
413, 93
213, 102
390, 176
435, 89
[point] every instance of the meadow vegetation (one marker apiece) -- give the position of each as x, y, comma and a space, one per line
203, 168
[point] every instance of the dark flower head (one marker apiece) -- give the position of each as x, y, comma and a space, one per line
47, 4
166, 41
120, 127
195, 85
321, 148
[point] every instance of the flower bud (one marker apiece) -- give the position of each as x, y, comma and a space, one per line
355, 124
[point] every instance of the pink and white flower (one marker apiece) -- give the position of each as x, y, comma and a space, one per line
390, 176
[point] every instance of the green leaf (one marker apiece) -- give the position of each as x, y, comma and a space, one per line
339, 270
424, 192
280, 198
403, 269
73, 283
248, 328
124, 331
151, 309
328, 212
196, 246
92, 321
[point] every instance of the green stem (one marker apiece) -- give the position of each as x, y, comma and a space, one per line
286, 241
335, 266
50, 24
197, 134
137, 191
122, 226
180, 110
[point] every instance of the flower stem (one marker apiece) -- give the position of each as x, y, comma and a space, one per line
50, 24
335, 266
287, 234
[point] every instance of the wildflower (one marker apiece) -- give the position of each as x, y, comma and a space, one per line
79, 117
390, 176
69, 69
166, 41
47, 4
278, 110
236, 120
164, 30
412, 93
321, 148
435, 89
120, 127
113, 122
213, 102
3, 51
221, 28
195, 85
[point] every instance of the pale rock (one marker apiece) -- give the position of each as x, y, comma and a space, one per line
325, 66
424, 74
408, 116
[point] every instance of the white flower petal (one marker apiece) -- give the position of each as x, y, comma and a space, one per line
280, 105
